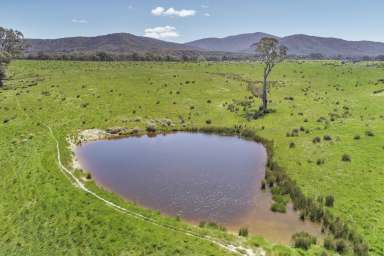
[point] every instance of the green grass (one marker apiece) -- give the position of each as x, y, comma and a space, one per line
41, 213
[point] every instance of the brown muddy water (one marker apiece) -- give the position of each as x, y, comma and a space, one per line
196, 176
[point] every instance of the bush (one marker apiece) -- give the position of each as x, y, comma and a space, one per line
316, 140
208, 121
243, 232
341, 246
278, 207
360, 249
329, 244
263, 184
151, 127
329, 201
346, 158
327, 137
2, 74
369, 133
213, 225
88, 176
303, 240
320, 161
357, 137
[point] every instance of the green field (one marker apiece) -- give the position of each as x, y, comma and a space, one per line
42, 213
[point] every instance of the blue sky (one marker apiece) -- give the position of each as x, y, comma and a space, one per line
190, 20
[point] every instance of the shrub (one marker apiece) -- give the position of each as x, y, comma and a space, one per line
303, 240
278, 207
208, 121
292, 145
2, 74
346, 158
356, 137
316, 140
243, 232
320, 161
88, 176
329, 244
327, 137
213, 225
302, 216
360, 249
329, 201
263, 185
341, 246
369, 133
151, 127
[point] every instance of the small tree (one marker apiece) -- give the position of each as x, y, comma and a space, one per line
11, 44
271, 53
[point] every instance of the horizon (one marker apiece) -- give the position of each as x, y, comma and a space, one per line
225, 36
184, 21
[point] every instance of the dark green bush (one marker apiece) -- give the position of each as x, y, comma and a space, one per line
320, 161
303, 240
279, 207
2, 74
369, 133
151, 127
263, 184
316, 140
346, 158
329, 201
88, 176
327, 137
243, 232
341, 246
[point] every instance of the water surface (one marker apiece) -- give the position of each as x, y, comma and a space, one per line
194, 176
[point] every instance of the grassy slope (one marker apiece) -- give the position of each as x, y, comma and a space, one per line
42, 214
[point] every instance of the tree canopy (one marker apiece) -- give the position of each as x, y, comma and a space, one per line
271, 52
11, 43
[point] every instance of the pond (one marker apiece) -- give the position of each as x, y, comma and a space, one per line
198, 177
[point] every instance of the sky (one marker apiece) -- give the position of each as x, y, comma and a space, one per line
187, 20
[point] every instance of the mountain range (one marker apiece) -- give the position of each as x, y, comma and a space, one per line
299, 45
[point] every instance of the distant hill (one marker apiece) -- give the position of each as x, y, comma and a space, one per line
239, 43
119, 42
300, 45
235, 46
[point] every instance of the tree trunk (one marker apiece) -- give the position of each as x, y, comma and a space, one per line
265, 93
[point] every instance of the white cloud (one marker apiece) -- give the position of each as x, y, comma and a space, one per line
158, 11
204, 6
207, 14
80, 21
161, 11
161, 32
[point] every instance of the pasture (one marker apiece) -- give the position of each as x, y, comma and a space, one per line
327, 129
